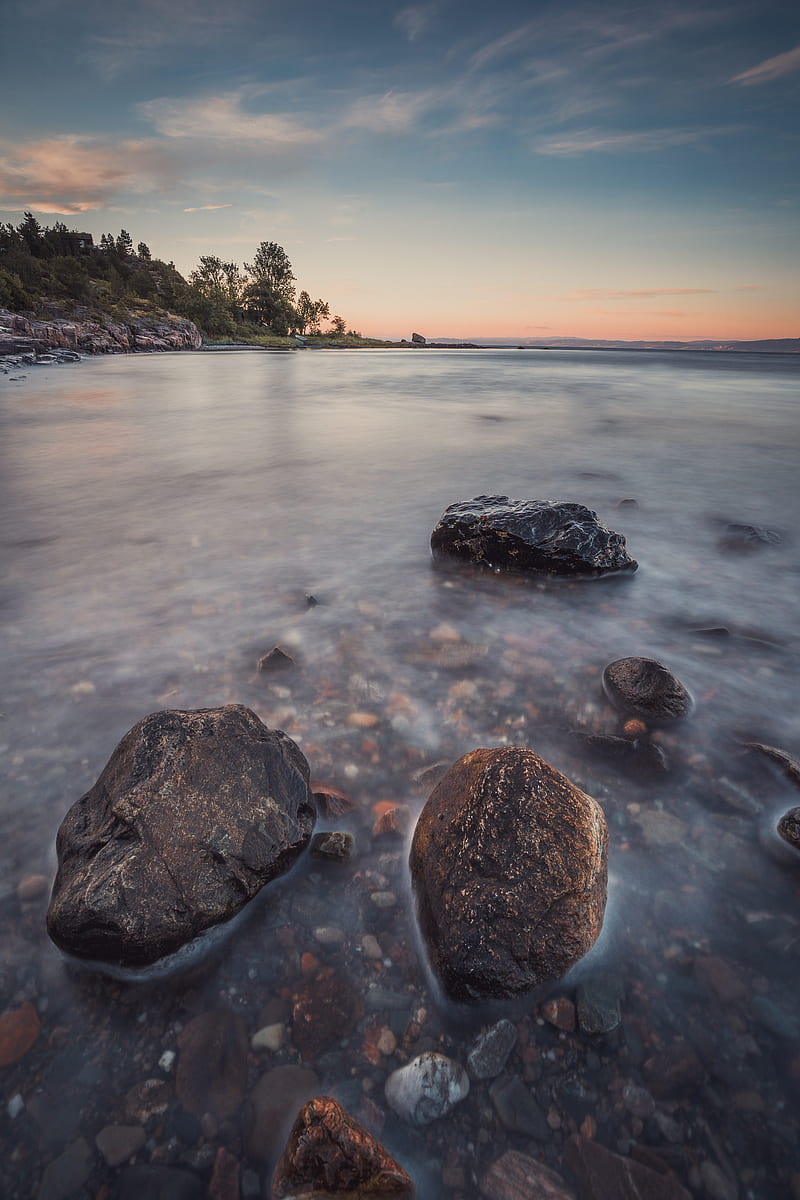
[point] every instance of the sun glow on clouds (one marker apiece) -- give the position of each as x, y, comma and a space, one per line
207, 207
771, 68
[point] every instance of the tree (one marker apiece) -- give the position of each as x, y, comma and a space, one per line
107, 243
124, 244
338, 326
30, 231
143, 250
271, 270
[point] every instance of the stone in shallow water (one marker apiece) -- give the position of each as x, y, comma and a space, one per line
426, 1088
516, 1176
193, 814
598, 999
789, 827
509, 864
212, 1064
329, 1154
491, 1051
542, 536
276, 1095
645, 687
603, 1175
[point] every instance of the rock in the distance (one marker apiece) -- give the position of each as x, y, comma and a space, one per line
542, 536
194, 812
509, 862
330, 1155
644, 686
426, 1088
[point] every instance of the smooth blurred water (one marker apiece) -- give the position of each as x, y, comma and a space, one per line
164, 518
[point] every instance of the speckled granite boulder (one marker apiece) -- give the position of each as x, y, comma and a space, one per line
192, 815
509, 865
540, 536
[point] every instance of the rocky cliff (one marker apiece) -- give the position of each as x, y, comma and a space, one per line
104, 335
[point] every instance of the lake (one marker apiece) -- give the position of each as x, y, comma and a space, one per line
166, 520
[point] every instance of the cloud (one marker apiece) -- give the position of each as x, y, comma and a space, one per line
415, 19
769, 69
392, 112
74, 174
636, 312
644, 141
502, 46
223, 118
634, 293
207, 207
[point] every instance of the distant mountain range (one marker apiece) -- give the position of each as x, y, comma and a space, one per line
764, 346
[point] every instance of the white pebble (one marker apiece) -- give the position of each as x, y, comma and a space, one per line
426, 1088
371, 946
383, 899
351, 771
271, 1037
15, 1106
328, 935
167, 1060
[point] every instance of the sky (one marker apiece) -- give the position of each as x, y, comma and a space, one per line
454, 168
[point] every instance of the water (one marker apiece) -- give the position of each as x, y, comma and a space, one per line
165, 519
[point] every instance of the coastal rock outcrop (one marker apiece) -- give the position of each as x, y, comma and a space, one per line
541, 536
146, 331
645, 687
509, 865
194, 812
329, 1154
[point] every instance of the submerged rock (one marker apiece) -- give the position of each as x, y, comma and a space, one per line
426, 1088
330, 1155
645, 687
789, 827
543, 536
193, 814
509, 864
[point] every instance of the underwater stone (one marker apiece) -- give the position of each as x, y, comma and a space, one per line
426, 1088
194, 812
645, 687
541, 536
509, 862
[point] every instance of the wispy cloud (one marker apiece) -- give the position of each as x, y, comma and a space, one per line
72, 174
207, 207
415, 19
225, 118
770, 68
578, 294
502, 46
636, 312
642, 141
392, 112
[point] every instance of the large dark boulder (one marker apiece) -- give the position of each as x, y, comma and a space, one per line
542, 536
192, 815
647, 688
509, 864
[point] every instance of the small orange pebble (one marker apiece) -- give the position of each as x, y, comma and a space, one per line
444, 633
362, 720
396, 819
368, 746
334, 802
19, 1029
634, 728
309, 964
588, 1126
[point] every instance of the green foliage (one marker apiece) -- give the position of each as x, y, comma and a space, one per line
12, 292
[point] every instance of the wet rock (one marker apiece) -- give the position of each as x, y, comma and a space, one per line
331, 802
720, 978
212, 1063
716, 1183
328, 1154
509, 863
426, 1088
541, 536
277, 1094
640, 754
742, 537
603, 1175
150, 1098
598, 999
332, 847
560, 1012
638, 1101
516, 1176
193, 814
65, 1174
789, 827
777, 1020
787, 762
19, 1029
145, 1182
489, 1055
118, 1143
645, 687
224, 1183
323, 1012
518, 1109
275, 660
675, 1071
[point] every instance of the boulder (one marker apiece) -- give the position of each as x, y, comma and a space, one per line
789, 827
329, 1155
509, 865
603, 1175
540, 536
645, 687
426, 1088
192, 815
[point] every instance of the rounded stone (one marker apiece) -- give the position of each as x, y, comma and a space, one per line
426, 1088
509, 862
789, 827
645, 687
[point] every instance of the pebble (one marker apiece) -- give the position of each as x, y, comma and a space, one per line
19, 1029
328, 935
516, 1176
118, 1143
271, 1037
717, 1185
426, 1088
31, 887
335, 846
371, 946
518, 1109
560, 1012
383, 899
167, 1060
491, 1052
362, 720
66, 1173
598, 1002
15, 1106
638, 1101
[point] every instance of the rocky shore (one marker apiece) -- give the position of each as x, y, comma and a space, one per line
27, 340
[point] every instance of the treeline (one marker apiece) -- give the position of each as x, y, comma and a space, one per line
43, 267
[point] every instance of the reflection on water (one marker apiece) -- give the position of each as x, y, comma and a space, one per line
165, 519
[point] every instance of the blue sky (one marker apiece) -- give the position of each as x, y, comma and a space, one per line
517, 169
